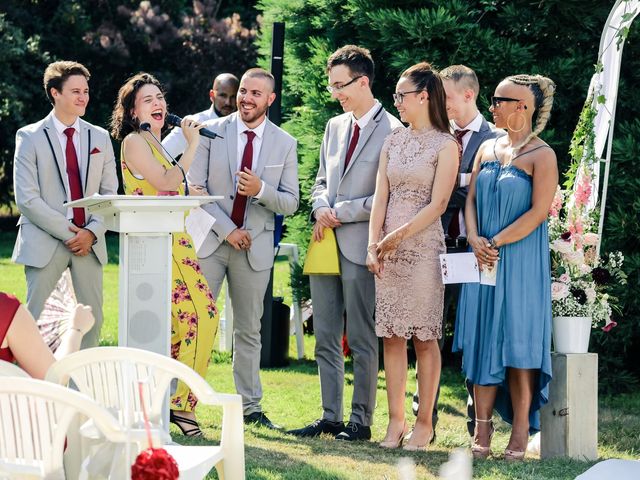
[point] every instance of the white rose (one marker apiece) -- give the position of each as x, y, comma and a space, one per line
591, 294
584, 268
590, 238
559, 290
575, 258
561, 246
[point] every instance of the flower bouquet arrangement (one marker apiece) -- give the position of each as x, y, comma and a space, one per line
581, 277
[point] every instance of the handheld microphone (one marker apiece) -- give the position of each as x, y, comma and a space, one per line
176, 120
147, 128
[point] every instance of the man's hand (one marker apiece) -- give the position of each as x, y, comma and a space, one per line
197, 190
327, 217
81, 244
239, 239
249, 184
318, 232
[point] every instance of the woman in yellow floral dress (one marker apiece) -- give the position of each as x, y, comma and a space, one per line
145, 171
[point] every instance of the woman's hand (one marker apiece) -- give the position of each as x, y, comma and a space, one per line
485, 255
190, 130
373, 264
82, 318
389, 244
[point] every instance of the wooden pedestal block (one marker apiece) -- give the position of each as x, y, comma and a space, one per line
569, 422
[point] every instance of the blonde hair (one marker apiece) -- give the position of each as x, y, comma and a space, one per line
463, 76
543, 89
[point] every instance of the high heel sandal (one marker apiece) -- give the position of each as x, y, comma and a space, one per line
178, 421
414, 448
514, 455
396, 443
478, 451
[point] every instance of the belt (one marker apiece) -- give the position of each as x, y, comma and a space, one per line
460, 242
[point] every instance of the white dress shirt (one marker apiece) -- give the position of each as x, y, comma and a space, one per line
62, 139
465, 178
175, 143
257, 145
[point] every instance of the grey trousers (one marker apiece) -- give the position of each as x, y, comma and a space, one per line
86, 275
246, 289
354, 292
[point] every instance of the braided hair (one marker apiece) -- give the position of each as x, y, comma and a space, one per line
543, 89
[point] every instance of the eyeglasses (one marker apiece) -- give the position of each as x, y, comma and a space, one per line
399, 97
495, 101
337, 88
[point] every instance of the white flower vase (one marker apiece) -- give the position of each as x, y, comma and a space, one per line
571, 334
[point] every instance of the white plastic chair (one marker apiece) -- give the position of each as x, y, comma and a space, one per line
34, 422
8, 369
111, 375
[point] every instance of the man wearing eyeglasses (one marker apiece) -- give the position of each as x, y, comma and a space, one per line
471, 130
341, 200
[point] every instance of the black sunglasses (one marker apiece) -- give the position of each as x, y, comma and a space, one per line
495, 101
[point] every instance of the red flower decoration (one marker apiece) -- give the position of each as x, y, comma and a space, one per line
154, 464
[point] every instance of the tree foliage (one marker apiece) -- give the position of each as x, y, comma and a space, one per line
497, 38
184, 43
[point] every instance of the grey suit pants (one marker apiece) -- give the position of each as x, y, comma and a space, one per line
86, 276
246, 289
354, 292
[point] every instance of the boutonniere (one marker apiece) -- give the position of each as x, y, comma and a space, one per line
95, 150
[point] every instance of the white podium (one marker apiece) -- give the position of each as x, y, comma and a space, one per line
145, 225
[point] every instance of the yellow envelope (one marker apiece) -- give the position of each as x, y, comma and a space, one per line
322, 257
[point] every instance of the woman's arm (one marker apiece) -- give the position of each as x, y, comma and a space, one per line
545, 182
443, 184
378, 213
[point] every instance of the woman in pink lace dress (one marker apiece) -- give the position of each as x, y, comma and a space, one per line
417, 173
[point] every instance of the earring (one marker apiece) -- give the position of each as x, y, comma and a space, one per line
524, 122
421, 102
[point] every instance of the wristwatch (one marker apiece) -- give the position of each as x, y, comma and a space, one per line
492, 243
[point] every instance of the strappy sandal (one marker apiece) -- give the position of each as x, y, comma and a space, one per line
478, 451
514, 455
179, 421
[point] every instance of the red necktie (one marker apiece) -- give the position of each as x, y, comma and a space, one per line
240, 202
73, 172
454, 225
352, 146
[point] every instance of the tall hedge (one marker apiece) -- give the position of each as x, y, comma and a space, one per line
557, 38
183, 42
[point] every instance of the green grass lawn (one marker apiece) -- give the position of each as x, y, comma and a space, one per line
292, 399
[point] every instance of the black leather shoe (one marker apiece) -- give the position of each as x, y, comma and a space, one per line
260, 419
317, 428
354, 431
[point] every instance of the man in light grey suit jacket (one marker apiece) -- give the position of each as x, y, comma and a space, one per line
59, 159
342, 198
254, 166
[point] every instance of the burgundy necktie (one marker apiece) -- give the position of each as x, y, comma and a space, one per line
240, 202
73, 172
352, 146
454, 225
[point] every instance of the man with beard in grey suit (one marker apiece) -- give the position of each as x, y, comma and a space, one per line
59, 159
341, 199
470, 129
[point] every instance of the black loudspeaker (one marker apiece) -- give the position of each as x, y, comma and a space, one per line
277, 56
275, 336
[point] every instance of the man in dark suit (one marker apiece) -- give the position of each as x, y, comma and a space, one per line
471, 130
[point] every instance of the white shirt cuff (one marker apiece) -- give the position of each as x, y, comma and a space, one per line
259, 194
465, 179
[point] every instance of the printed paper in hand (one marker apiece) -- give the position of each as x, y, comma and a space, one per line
198, 224
488, 275
459, 268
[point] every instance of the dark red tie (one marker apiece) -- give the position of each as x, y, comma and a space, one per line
240, 202
73, 172
454, 225
352, 145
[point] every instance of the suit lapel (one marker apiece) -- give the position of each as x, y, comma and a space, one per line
472, 147
84, 154
365, 133
265, 151
56, 150
345, 135
231, 136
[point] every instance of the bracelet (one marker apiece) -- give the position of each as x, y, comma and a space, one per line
372, 246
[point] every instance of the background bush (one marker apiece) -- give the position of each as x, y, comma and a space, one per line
558, 38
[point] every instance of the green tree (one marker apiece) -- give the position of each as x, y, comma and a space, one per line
557, 38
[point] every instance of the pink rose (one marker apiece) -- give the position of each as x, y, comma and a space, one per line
564, 278
559, 290
590, 238
561, 246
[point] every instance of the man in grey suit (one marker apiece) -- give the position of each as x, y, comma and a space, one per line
254, 166
59, 159
471, 130
223, 103
341, 199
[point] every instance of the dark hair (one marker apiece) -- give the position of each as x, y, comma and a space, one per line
57, 73
122, 121
426, 78
261, 73
357, 59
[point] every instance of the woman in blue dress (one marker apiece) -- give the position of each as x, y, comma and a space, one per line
505, 330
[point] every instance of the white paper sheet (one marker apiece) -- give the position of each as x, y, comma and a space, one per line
198, 224
488, 276
459, 268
